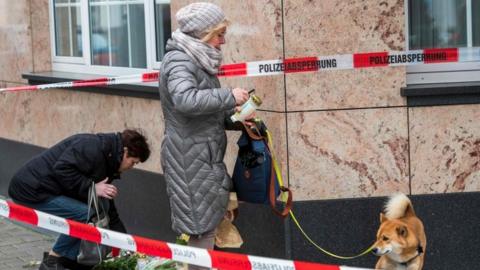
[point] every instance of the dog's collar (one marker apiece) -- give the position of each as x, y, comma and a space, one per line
419, 252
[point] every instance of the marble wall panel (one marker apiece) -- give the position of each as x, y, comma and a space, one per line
379, 87
316, 28
15, 40
445, 149
276, 123
270, 89
42, 59
255, 34
344, 154
45, 117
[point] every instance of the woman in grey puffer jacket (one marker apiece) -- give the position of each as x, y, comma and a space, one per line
197, 111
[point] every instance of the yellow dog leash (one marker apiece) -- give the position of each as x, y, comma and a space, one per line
283, 198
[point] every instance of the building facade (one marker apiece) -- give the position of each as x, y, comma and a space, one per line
345, 139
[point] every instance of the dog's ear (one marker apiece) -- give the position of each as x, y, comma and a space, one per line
383, 218
402, 231
409, 212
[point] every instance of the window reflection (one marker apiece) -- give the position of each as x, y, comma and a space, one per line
68, 28
476, 22
118, 33
163, 26
437, 23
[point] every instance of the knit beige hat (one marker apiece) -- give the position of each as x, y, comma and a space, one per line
197, 18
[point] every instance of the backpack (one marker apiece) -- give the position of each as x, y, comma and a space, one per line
254, 177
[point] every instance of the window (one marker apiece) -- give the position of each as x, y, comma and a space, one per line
163, 25
443, 24
109, 36
117, 33
476, 22
438, 24
69, 27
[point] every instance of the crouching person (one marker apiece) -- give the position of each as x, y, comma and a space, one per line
57, 182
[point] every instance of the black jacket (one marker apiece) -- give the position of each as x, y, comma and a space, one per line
68, 168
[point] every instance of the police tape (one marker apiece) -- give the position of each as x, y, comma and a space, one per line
299, 64
104, 81
190, 255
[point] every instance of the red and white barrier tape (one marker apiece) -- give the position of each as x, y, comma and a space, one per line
190, 255
300, 64
137, 78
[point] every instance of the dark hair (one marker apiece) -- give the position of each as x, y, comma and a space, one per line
136, 144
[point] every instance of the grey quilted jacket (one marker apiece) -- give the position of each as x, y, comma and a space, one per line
195, 109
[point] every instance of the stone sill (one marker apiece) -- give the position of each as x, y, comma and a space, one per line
144, 90
442, 94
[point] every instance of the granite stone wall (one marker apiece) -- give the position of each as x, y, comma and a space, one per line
337, 134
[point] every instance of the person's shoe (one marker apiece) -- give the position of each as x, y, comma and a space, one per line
50, 262
73, 265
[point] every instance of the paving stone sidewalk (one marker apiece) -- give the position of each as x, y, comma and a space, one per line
21, 244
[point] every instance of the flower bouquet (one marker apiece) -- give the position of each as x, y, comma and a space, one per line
136, 261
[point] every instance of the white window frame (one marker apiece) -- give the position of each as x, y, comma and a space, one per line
443, 73
83, 64
156, 64
55, 58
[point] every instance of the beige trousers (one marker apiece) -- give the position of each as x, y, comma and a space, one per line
205, 241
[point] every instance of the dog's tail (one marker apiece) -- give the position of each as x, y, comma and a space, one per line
398, 206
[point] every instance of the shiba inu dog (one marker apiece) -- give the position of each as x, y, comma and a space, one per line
401, 239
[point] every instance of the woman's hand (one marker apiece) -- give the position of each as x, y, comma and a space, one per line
240, 95
105, 190
249, 117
